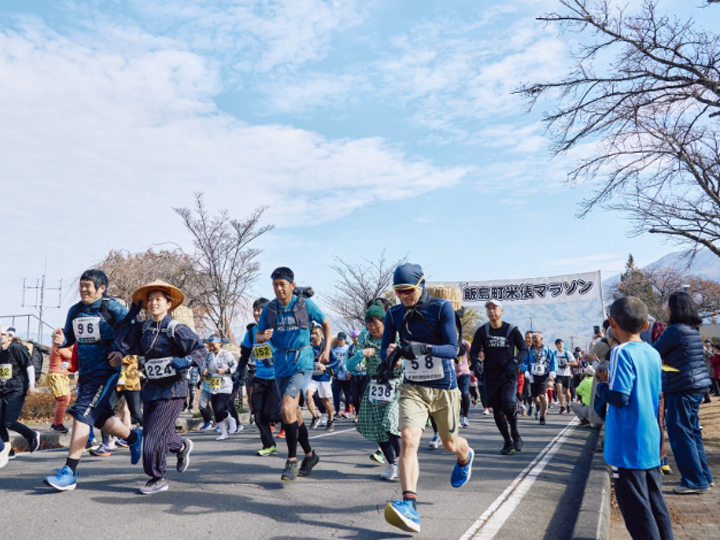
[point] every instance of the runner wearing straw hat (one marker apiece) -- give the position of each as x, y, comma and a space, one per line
169, 348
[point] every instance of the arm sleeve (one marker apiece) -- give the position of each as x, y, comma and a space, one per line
127, 333
355, 359
616, 399
244, 357
476, 347
31, 375
389, 335
522, 351
448, 330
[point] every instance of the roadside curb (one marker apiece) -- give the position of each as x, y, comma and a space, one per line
51, 439
593, 521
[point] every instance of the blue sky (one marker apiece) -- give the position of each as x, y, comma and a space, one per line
363, 125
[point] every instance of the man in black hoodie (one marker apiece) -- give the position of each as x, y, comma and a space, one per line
504, 349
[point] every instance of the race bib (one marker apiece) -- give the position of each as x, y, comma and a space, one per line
5, 371
121, 380
381, 392
538, 369
263, 352
159, 368
215, 383
87, 329
424, 368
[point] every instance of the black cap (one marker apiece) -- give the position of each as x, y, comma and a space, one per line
342, 335
283, 272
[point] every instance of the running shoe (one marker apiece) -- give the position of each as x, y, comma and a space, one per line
682, 490
206, 425
344, 415
35, 443
584, 422
269, 451
542, 420
281, 434
461, 473
507, 449
403, 515
315, 422
537, 415
101, 451
378, 457
239, 428
156, 485
391, 473
486, 412
337, 416
290, 472
11, 453
59, 428
4, 455
308, 463
183, 456
136, 448
272, 427
64, 480
330, 426
666, 469
518, 443
89, 444
121, 443
436, 442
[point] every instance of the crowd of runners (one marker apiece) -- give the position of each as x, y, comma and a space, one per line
406, 370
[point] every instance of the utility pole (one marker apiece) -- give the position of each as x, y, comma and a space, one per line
40, 289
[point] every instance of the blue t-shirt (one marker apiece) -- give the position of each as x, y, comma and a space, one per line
94, 336
341, 355
632, 433
261, 370
288, 336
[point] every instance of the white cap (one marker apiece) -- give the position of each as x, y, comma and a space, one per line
590, 371
493, 301
10, 332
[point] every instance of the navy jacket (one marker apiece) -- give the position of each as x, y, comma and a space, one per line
681, 347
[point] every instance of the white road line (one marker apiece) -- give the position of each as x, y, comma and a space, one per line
331, 433
492, 520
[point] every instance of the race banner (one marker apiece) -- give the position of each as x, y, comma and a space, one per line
544, 290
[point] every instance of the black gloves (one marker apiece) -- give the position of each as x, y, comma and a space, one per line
412, 351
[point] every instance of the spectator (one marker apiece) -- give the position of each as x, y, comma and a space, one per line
584, 389
681, 347
715, 364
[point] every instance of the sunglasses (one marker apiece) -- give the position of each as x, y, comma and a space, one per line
401, 292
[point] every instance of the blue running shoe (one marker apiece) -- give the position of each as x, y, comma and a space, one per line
206, 425
64, 480
461, 474
402, 514
136, 447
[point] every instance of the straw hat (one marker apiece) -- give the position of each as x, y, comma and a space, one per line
176, 295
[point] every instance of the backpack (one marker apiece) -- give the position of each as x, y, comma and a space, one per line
169, 330
511, 327
299, 309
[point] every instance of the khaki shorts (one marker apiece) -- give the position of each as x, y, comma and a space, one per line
59, 384
417, 402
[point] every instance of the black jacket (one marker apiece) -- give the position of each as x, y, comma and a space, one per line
681, 347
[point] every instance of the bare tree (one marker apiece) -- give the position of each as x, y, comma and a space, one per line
652, 111
226, 265
129, 271
358, 284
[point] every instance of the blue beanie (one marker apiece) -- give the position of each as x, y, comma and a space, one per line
409, 275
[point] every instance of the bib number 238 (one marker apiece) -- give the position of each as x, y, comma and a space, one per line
424, 368
381, 392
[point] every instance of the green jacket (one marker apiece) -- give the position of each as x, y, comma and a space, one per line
584, 390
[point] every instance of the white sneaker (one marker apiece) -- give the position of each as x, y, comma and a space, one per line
391, 473
323, 420
436, 442
467, 422
223, 430
240, 427
232, 425
4, 455
111, 444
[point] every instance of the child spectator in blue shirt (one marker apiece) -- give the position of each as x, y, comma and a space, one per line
631, 388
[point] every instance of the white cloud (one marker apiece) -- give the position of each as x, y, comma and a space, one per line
301, 92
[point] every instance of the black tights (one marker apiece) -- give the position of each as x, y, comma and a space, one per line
391, 448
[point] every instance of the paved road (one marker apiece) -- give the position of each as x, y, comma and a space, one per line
230, 492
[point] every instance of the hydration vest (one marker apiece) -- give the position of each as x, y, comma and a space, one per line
299, 310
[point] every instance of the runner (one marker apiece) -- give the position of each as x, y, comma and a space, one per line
378, 418
341, 380
358, 377
265, 399
169, 348
217, 370
59, 384
539, 367
90, 324
428, 342
285, 322
320, 381
565, 362
504, 350
17, 381
462, 371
